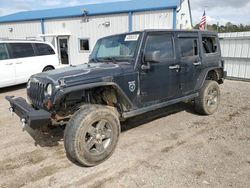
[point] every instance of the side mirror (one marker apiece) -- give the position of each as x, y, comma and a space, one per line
152, 57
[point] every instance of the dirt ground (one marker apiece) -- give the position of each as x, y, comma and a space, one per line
171, 147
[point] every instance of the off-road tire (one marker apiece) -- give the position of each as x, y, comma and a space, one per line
202, 102
77, 128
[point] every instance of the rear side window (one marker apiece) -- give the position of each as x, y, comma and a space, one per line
162, 43
189, 47
44, 49
209, 45
21, 50
3, 52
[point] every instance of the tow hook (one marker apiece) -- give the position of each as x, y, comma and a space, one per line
23, 123
11, 110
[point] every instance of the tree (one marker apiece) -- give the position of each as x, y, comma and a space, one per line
228, 27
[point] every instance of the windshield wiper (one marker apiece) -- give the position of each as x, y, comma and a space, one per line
108, 59
94, 60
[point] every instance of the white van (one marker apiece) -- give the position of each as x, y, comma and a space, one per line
21, 59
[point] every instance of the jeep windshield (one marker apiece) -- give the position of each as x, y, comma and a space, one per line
115, 49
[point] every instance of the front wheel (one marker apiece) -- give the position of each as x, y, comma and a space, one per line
92, 135
209, 98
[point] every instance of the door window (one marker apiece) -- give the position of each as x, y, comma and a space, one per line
64, 55
3, 52
44, 49
189, 47
21, 50
209, 45
162, 43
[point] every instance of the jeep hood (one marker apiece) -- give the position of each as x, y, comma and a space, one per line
85, 73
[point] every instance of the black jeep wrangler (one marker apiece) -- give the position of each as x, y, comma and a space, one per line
127, 75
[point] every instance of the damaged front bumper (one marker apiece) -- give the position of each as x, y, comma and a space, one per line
28, 115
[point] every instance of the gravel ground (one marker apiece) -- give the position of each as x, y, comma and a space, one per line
171, 147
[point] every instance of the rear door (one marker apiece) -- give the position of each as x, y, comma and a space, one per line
190, 61
25, 61
7, 67
211, 49
45, 55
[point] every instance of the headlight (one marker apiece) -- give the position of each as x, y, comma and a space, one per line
49, 89
28, 84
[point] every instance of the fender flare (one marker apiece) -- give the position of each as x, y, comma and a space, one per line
202, 78
64, 91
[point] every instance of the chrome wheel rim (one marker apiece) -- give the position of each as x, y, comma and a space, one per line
212, 99
98, 137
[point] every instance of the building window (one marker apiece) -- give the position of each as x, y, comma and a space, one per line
84, 45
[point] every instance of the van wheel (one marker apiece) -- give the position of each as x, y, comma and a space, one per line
209, 98
91, 135
48, 69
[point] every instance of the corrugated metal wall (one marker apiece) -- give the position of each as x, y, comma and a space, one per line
92, 30
236, 52
162, 19
20, 30
95, 29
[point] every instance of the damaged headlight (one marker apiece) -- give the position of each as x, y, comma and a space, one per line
49, 89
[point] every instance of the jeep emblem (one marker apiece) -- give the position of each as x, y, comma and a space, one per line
131, 86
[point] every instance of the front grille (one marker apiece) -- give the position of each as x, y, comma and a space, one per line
36, 93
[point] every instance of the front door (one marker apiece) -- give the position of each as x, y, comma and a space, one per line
7, 67
190, 62
63, 50
160, 80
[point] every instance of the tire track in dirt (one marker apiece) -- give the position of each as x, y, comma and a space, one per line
101, 180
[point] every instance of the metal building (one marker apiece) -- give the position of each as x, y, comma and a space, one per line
236, 53
75, 30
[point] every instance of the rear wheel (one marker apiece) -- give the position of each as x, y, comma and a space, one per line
48, 69
209, 98
92, 135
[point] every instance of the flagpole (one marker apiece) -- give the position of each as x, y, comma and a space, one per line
205, 8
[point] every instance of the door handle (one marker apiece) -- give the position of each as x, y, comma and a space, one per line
19, 63
8, 64
197, 63
172, 67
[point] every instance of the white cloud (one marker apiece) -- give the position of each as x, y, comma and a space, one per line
221, 11
52, 3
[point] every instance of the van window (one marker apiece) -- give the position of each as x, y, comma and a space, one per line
44, 49
3, 52
20, 50
162, 43
209, 45
189, 47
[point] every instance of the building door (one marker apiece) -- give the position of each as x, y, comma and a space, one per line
63, 50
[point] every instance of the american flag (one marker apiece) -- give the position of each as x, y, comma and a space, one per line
202, 24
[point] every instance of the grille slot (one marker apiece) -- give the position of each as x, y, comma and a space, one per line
36, 93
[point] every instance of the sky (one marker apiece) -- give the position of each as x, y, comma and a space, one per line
222, 11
